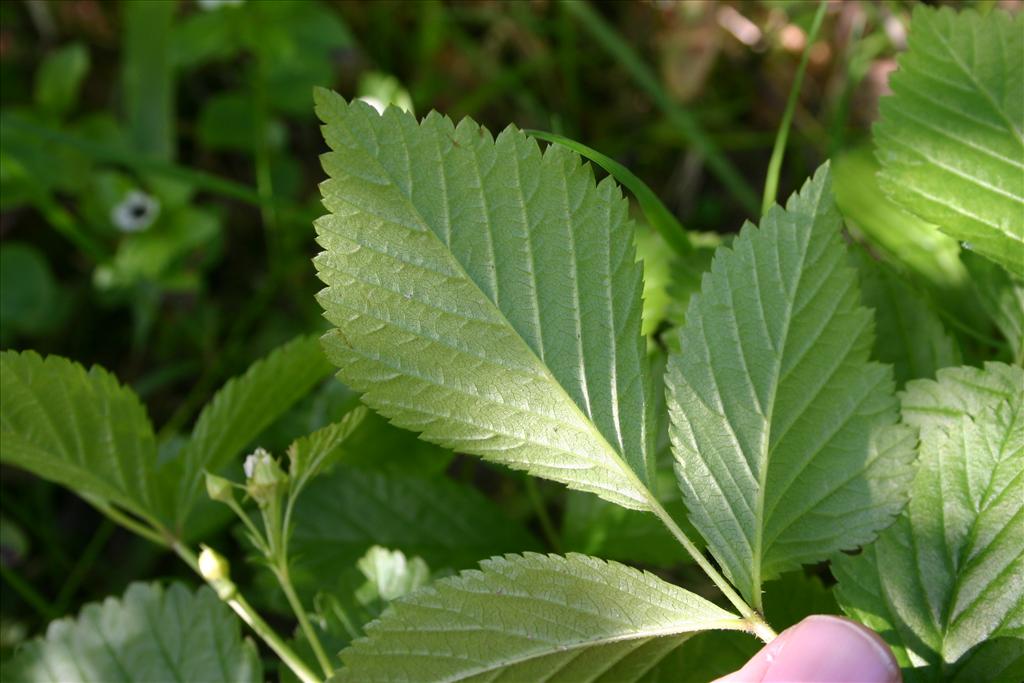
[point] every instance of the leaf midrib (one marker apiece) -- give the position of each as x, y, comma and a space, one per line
757, 550
587, 422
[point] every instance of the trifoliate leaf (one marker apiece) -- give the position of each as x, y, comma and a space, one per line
245, 406
152, 634
84, 430
784, 433
945, 584
486, 295
951, 138
908, 332
532, 617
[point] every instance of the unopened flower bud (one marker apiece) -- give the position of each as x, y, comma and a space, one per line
213, 566
219, 488
265, 479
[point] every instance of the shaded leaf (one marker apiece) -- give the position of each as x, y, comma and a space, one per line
908, 332
151, 634
84, 430
346, 511
945, 584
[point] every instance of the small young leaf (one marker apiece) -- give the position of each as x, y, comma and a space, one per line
486, 295
945, 584
951, 138
909, 334
151, 634
84, 430
532, 617
245, 406
313, 452
785, 435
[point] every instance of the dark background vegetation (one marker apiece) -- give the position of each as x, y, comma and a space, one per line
159, 169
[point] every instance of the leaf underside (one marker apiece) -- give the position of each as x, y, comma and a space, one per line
486, 295
784, 433
951, 138
945, 584
150, 634
532, 617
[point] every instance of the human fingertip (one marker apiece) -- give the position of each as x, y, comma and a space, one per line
831, 649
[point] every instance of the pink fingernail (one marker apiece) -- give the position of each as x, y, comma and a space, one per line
826, 649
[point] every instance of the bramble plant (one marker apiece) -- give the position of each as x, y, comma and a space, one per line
486, 295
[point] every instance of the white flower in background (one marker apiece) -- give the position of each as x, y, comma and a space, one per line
217, 4
375, 102
135, 212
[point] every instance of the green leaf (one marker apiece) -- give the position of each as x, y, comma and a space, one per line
486, 295
909, 334
784, 433
83, 430
532, 617
951, 138
945, 584
151, 634
245, 406
60, 77
1002, 297
310, 454
347, 510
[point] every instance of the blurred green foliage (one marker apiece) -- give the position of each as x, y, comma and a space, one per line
158, 170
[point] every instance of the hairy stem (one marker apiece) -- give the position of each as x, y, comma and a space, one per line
285, 580
771, 183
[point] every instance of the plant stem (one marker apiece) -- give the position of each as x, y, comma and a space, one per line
157, 534
683, 120
147, 532
771, 183
546, 525
237, 602
244, 610
85, 562
285, 580
29, 594
758, 626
